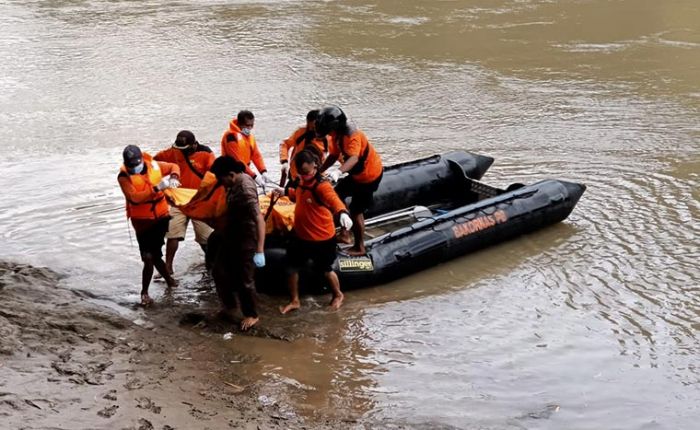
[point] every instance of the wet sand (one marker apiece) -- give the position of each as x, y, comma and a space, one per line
67, 363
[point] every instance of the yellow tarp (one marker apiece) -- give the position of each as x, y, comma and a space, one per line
281, 219
179, 196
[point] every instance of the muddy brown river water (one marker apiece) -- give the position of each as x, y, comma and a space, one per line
592, 323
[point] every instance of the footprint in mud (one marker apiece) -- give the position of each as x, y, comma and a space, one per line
111, 395
108, 411
148, 404
133, 384
144, 424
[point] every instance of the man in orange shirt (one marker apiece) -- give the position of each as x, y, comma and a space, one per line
142, 181
238, 142
303, 138
194, 160
314, 239
359, 159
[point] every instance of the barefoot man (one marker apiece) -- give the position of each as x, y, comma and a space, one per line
142, 181
242, 240
359, 160
316, 203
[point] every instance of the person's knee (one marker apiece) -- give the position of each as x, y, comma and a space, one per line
148, 258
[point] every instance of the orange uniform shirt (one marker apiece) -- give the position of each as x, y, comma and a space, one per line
242, 148
200, 161
296, 143
142, 200
357, 145
313, 215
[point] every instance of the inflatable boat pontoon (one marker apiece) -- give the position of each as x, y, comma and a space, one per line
432, 228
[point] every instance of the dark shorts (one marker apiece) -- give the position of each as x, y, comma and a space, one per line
150, 234
322, 254
362, 194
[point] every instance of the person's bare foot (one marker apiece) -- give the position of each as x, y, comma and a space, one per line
344, 237
248, 322
146, 300
356, 251
171, 282
159, 278
337, 302
293, 305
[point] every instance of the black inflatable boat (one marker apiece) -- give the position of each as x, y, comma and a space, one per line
426, 181
463, 217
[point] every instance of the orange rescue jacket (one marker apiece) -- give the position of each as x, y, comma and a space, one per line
242, 148
316, 204
192, 166
369, 164
209, 204
143, 201
297, 142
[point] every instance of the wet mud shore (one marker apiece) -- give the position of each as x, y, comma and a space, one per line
67, 363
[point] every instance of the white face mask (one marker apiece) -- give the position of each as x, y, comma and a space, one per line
137, 169
246, 131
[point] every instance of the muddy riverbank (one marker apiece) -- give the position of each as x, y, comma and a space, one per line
67, 363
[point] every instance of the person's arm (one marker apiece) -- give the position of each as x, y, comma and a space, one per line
330, 160
257, 159
261, 232
330, 198
353, 149
171, 169
132, 194
164, 155
225, 139
250, 194
349, 164
285, 146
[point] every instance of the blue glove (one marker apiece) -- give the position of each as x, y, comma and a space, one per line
259, 259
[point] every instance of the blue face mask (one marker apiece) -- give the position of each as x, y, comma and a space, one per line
246, 131
137, 169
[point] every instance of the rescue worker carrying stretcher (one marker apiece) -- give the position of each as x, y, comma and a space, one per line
142, 180
359, 159
238, 142
314, 230
194, 160
303, 138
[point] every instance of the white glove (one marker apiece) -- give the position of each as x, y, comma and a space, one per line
285, 169
334, 175
260, 180
265, 178
174, 182
163, 184
259, 259
345, 221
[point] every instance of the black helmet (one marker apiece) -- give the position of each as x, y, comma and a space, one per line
185, 140
330, 119
132, 156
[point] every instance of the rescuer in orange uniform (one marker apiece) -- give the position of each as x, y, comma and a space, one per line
359, 159
238, 142
142, 181
303, 138
314, 230
194, 160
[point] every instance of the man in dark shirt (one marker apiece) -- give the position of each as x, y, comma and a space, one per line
240, 243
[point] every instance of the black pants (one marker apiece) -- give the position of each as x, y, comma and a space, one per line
234, 274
